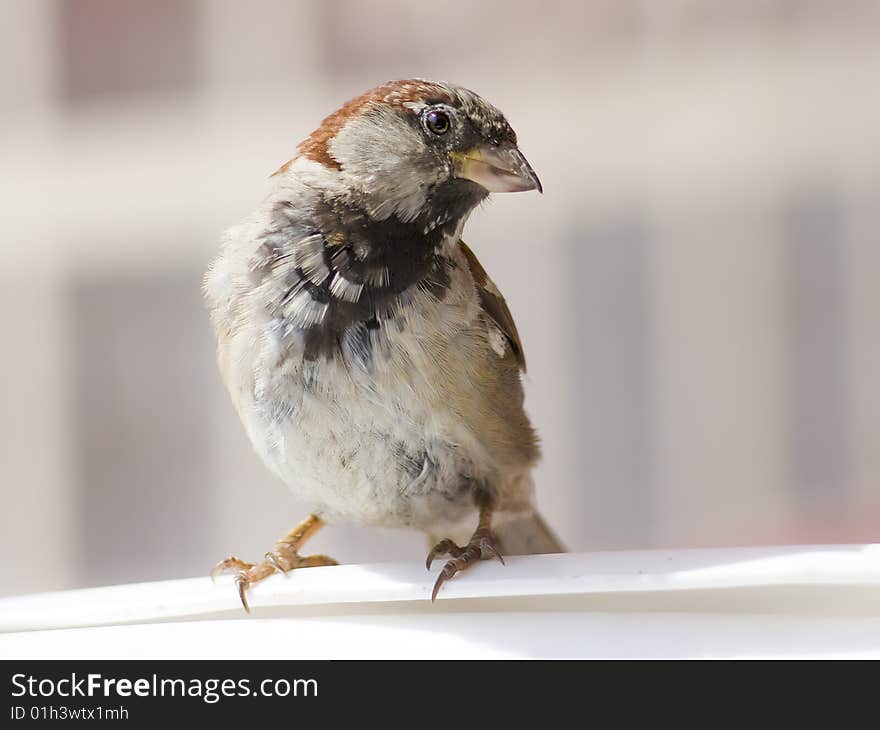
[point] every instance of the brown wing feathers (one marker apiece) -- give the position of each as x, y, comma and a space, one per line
494, 305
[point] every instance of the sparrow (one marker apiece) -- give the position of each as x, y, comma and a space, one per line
374, 364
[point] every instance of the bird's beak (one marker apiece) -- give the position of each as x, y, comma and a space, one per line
501, 169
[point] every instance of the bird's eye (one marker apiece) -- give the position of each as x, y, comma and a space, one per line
437, 121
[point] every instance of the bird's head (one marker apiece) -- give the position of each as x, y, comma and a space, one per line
418, 149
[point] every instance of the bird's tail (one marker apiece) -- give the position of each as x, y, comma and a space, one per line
526, 535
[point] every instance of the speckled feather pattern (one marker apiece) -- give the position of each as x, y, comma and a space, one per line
376, 383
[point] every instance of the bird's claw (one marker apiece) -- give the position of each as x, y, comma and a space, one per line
444, 547
242, 583
284, 558
274, 559
482, 546
230, 563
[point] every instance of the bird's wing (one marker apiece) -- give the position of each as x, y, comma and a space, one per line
494, 305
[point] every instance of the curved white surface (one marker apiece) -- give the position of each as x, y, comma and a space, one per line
761, 602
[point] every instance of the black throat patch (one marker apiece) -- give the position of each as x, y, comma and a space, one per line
340, 278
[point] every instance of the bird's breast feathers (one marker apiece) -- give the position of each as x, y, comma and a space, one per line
384, 378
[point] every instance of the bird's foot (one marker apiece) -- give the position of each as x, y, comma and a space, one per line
482, 546
282, 559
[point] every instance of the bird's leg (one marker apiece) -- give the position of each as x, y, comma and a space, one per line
482, 546
282, 558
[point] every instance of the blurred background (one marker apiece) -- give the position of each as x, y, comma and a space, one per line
698, 289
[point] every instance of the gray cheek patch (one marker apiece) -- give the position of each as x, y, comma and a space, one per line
386, 160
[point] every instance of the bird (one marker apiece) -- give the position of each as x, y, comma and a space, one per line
375, 366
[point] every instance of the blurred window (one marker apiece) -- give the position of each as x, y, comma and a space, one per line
113, 47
